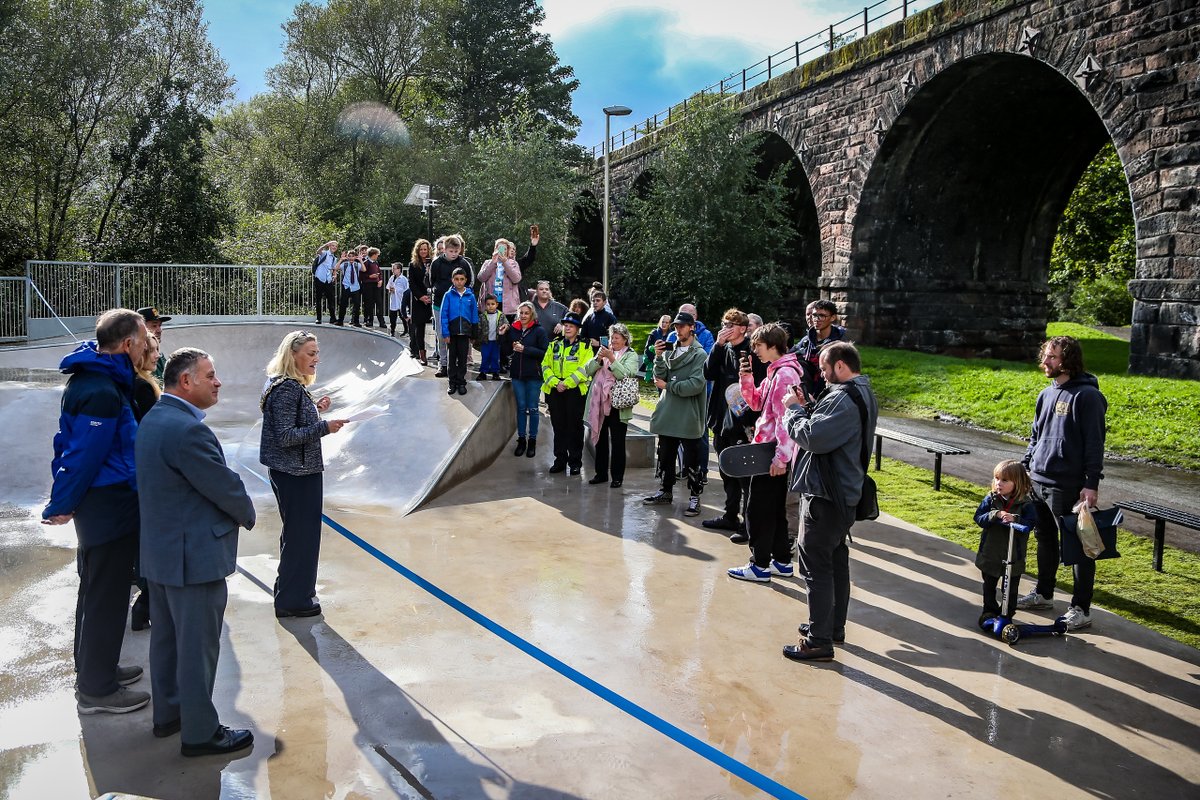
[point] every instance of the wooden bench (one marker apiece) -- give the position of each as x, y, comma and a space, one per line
1161, 516
938, 449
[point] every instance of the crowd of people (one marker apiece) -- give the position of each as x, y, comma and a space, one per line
145, 481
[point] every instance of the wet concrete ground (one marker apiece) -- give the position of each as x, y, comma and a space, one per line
392, 693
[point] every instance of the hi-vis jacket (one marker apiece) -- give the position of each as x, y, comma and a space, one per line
563, 363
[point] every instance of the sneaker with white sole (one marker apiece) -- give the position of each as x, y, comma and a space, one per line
122, 701
779, 568
1033, 600
693, 507
1076, 618
750, 572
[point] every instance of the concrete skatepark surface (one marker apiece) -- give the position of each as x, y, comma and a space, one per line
391, 693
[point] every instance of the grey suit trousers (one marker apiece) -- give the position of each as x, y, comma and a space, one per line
185, 641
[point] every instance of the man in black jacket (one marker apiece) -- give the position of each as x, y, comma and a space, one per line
721, 368
1065, 459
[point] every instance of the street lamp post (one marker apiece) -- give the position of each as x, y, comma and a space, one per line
609, 113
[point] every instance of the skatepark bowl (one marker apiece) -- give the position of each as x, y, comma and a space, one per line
493, 631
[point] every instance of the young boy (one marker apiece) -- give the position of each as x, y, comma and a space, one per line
494, 326
460, 315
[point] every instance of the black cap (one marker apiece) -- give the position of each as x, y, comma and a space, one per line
572, 319
683, 318
150, 314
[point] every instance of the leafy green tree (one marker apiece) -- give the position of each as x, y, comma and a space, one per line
515, 176
1094, 256
707, 227
290, 233
492, 60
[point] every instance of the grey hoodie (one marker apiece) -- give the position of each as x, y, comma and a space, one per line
833, 427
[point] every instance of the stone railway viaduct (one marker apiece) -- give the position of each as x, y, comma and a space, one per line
935, 158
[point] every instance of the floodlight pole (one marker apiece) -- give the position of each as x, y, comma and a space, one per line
609, 113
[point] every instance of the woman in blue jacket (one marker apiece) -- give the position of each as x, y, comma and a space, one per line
528, 341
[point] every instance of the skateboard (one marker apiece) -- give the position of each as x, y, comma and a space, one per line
747, 460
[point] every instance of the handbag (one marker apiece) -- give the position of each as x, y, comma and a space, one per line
1106, 521
624, 393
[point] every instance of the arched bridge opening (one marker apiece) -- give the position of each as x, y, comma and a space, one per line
958, 213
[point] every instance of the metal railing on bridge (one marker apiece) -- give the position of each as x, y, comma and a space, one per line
839, 34
85, 289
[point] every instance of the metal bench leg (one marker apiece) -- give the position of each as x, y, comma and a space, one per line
937, 472
878, 451
1160, 536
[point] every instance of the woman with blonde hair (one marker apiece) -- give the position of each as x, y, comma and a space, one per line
290, 448
146, 390
421, 305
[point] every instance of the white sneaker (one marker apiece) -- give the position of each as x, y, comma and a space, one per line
750, 573
1034, 600
1077, 618
780, 568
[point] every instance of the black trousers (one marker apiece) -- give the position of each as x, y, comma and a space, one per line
458, 350
323, 293
372, 306
566, 418
349, 298
300, 498
613, 431
693, 451
825, 564
1054, 502
766, 519
392, 317
732, 486
990, 582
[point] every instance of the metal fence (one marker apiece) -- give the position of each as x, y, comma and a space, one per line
85, 289
12, 309
839, 34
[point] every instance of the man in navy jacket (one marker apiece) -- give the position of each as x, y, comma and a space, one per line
96, 487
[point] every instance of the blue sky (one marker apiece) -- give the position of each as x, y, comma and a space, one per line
645, 54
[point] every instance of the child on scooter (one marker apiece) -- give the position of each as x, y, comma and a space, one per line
1008, 504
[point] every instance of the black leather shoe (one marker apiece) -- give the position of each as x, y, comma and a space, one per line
598, 479
441, 373
721, 523
462, 388
615, 485
311, 611
225, 740
169, 729
557, 468
453, 389
739, 537
139, 614
803, 652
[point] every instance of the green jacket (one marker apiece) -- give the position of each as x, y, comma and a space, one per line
563, 363
626, 367
683, 405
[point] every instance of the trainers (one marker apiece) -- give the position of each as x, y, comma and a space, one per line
122, 701
750, 572
128, 675
721, 523
661, 498
1034, 600
1077, 618
693, 507
779, 568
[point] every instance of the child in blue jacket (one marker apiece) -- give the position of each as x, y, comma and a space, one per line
460, 315
1009, 503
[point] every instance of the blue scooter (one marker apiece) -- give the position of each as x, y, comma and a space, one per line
1003, 627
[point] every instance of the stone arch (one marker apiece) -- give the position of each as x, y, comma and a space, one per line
958, 212
587, 233
802, 255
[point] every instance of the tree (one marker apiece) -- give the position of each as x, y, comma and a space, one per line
493, 62
707, 227
515, 176
1094, 256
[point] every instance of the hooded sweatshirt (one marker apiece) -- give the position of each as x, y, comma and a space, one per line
681, 406
1066, 444
782, 375
96, 428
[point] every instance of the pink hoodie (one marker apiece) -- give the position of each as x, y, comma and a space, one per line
782, 374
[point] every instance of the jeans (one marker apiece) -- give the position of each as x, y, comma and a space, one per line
527, 392
489, 357
443, 353
766, 520
825, 564
668, 447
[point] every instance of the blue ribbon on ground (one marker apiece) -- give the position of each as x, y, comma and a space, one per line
735, 767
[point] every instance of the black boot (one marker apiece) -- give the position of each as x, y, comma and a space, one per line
520, 451
139, 615
531, 449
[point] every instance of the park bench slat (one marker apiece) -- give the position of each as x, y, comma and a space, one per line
1161, 516
938, 449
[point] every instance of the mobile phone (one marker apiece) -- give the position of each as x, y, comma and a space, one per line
534, 231
668, 346
502, 249
604, 341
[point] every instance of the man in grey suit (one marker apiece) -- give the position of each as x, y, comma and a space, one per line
192, 505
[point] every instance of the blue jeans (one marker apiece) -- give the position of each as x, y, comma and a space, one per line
527, 392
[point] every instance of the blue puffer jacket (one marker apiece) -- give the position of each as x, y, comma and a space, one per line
96, 428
